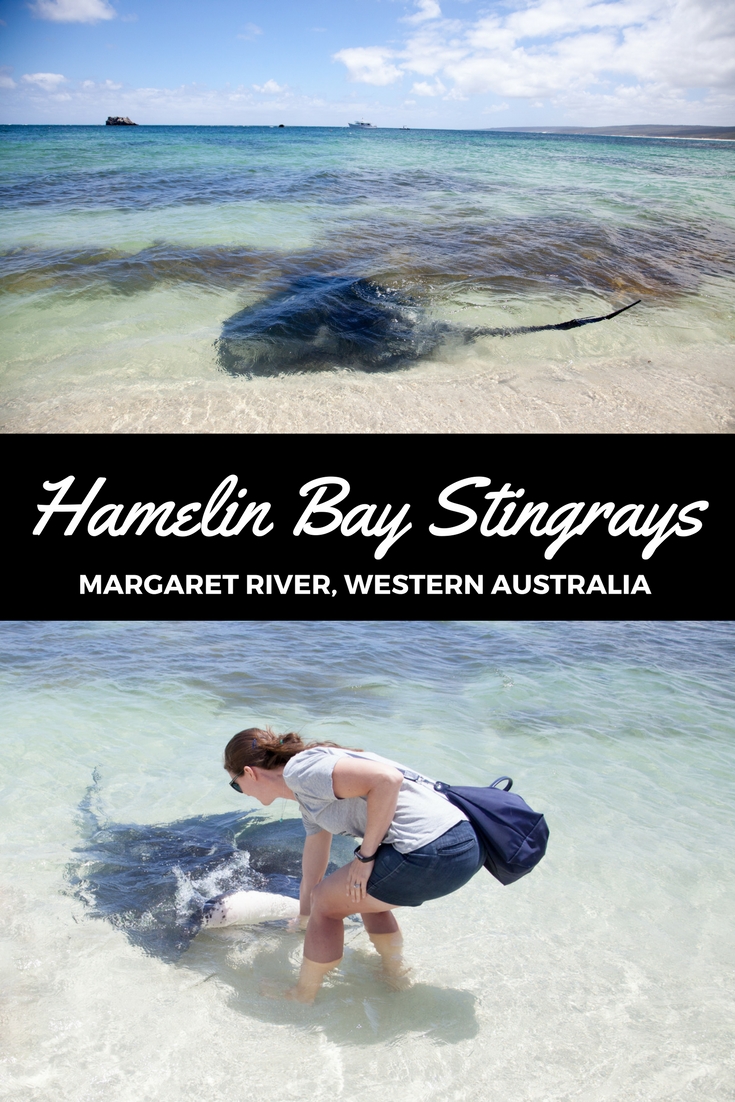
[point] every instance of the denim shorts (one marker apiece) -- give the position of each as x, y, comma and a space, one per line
442, 866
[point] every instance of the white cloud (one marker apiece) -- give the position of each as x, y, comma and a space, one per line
270, 87
73, 11
677, 42
567, 51
250, 32
428, 9
200, 105
369, 65
108, 86
423, 88
194, 104
590, 62
47, 81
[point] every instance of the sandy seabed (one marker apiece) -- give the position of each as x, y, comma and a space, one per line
690, 392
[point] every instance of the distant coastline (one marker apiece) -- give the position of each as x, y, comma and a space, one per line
706, 133
687, 133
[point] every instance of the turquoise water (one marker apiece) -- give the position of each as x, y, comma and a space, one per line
126, 250
605, 974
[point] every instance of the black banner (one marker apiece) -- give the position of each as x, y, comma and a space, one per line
383, 527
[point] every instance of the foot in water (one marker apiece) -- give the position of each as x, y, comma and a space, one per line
311, 977
394, 970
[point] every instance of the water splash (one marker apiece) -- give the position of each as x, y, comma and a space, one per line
152, 881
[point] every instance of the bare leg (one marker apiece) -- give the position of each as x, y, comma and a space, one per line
311, 978
390, 947
324, 937
380, 922
324, 940
385, 934
329, 907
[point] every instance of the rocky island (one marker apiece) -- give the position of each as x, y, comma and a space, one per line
118, 120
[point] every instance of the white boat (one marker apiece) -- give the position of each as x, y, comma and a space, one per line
362, 126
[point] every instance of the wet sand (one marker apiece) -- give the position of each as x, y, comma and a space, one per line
688, 392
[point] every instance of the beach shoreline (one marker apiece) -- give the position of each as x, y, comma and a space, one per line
141, 292
599, 397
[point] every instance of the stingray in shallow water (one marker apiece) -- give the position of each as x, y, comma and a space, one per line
162, 883
322, 321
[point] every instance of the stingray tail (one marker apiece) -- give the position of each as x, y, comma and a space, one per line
573, 324
88, 807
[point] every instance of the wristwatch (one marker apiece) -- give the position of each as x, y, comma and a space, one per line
361, 857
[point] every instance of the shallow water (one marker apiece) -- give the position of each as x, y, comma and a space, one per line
605, 974
126, 251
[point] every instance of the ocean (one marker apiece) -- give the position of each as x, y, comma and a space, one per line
132, 254
605, 974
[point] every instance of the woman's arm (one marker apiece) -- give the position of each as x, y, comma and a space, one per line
380, 784
313, 866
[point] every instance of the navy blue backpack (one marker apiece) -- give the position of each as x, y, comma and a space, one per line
513, 836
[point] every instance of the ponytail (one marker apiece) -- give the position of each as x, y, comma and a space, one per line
266, 749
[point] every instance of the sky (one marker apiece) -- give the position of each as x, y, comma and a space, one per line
418, 63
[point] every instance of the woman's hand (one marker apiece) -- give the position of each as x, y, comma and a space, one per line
358, 876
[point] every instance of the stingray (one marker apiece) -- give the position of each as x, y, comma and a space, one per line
162, 883
321, 322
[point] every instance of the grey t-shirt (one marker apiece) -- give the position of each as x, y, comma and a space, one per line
422, 814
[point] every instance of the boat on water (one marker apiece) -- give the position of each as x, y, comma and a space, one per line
362, 125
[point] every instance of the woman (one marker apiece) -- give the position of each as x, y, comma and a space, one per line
415, 844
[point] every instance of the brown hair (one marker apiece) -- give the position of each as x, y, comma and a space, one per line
266, 749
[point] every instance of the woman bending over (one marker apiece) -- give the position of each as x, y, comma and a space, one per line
415, 844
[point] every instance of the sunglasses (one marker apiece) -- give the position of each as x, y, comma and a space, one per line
234, 784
